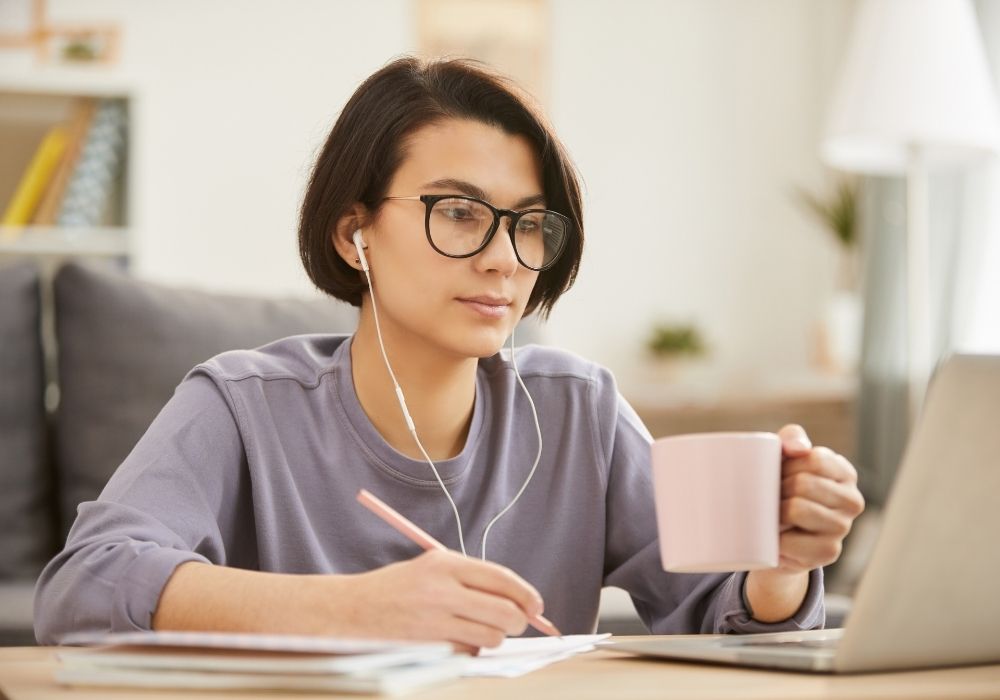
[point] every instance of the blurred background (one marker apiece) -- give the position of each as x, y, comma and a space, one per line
743, 269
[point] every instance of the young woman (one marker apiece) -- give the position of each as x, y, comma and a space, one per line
236, 510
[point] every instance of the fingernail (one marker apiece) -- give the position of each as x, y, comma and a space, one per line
801, 443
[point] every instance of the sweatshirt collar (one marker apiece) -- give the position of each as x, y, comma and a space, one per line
383, 455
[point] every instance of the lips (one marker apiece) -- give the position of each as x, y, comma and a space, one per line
488, 300
487, 306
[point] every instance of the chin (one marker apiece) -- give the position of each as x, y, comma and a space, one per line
478, 342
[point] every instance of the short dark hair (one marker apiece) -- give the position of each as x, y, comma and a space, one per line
365, 148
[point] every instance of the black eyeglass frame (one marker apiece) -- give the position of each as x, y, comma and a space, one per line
430, 200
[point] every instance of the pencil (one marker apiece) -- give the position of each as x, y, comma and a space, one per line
421, 538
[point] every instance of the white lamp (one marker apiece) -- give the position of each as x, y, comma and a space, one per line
914, 93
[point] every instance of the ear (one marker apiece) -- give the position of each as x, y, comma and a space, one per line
342, 237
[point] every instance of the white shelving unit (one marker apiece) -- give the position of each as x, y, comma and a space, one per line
83, 80
102, 242
34, 100
30, 103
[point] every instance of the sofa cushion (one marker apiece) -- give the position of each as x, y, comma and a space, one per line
25, 515
125, 344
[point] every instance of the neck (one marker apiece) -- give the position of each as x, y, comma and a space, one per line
440, 390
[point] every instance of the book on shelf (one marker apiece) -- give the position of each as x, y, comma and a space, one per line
79, 125
36, 177
91, 186
73, 172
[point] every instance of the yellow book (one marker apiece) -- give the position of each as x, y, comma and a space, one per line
36, 178
48, 210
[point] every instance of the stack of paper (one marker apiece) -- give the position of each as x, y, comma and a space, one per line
254, 661
286, 662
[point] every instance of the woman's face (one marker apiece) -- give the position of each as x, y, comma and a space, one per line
464, 307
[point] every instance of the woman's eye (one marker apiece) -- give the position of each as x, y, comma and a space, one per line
459, 214
526, 225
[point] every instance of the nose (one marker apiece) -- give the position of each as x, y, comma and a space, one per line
499, 255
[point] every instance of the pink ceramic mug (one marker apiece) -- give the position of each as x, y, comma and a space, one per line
717, 501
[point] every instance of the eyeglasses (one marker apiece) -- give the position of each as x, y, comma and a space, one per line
458, 226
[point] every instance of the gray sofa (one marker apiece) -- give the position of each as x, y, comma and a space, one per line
120, 347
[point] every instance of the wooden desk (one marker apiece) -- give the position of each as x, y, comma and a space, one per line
26, 674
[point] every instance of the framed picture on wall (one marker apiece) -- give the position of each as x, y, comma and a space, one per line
24, 25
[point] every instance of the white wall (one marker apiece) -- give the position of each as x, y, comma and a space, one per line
690, 121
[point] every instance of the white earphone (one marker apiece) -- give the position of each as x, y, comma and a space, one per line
359, 244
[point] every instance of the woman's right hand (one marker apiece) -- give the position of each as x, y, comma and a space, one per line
439, 595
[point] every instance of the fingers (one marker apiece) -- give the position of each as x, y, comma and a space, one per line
499, 581
484, 601
445, 596
489, 610
843, 497
814, 517
819, 501
465, 649
824, 462
794, 441
467, 634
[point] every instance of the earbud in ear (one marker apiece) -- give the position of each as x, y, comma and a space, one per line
359, 244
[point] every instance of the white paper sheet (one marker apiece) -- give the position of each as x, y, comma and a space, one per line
516, 657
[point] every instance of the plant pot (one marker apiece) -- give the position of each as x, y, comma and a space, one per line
670, 369
840, 329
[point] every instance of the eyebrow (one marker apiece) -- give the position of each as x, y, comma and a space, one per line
478, 192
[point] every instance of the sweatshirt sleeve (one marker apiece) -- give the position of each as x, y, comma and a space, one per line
669, 603
179, 496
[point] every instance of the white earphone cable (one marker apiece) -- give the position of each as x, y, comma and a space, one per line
409, 420
413, 430
538, 431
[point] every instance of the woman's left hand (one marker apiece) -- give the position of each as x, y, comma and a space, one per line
819, 502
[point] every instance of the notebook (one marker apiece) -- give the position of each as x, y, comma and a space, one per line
929, 594
254, 661
302, 663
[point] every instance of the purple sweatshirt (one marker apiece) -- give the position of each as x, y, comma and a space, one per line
256, 461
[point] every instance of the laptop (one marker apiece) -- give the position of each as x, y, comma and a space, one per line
929, 595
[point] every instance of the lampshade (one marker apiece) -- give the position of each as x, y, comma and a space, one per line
915, 74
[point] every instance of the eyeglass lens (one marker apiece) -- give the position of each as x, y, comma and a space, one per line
460, 226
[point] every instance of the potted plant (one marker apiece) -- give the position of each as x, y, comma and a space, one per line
839, 333
671, 346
